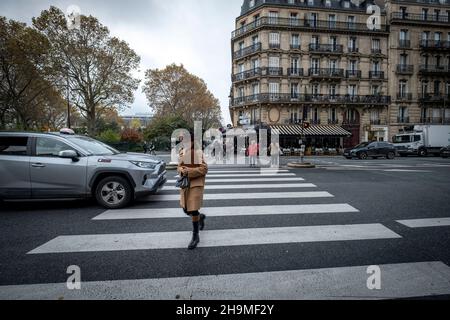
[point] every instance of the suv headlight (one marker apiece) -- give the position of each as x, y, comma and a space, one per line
145, 165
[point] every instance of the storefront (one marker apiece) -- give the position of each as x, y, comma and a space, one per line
316, 137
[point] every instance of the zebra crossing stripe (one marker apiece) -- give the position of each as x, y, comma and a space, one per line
247, 196
247, 171
403, 280
249, 175
214, 238
165, 213
261, 179
249, 186
426, 223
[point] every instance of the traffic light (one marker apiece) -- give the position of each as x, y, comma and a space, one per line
306, 125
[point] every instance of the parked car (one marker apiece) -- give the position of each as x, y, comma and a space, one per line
67, 166
445, 152
371, 150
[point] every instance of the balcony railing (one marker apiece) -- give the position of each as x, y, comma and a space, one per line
274, 46
272, 71
248, 50
377, 122
353, 50
405, 69
404, 97
404, 44
326, 73
402, 119
295, 72
427, 69
376, 74
312, 98
306, 24
326, 48
428, 18
314, 121
295, 46
435, 44
353, 74
247, 74
376, 51
331, 121
434, 98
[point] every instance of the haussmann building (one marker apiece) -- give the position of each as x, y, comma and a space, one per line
322, 62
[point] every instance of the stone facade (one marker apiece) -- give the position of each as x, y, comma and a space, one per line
319, 61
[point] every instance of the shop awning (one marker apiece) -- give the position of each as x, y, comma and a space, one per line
314, 130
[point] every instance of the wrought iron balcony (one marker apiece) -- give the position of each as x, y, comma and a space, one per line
326, 73
296, 46
434, 70
421, 18
247, 74
353, 74
405, 69
376, 51
272, 71
435, 120
326, 48
376, 75
311, 98
274, 46
406, 44
307, 25
402, 119
295, 72
434, 45
353, 50
434, 98
248, 50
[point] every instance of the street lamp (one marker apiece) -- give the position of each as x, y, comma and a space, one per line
69, 124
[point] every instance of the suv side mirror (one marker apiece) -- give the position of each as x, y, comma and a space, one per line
68, 154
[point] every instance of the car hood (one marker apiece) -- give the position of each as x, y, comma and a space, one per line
134, 157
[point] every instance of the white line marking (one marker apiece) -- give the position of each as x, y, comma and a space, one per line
262, 179
405, 280
249, 171
262, 174
426, 223
214, 238
130, 214
246, 196
250, 186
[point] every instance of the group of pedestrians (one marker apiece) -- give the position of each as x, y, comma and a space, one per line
254, 149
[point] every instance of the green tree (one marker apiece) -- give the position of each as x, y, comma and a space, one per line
161, 128
175, 91
98, 66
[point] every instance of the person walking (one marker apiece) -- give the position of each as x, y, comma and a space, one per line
275, 154
192, 164
253, 153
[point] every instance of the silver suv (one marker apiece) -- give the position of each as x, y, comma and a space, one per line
67, 166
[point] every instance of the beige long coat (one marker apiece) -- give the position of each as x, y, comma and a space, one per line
191, 199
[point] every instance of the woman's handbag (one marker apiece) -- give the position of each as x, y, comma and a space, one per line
183, 182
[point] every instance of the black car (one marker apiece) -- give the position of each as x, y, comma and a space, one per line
371, 150
445, 152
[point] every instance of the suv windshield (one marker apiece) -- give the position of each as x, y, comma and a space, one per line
402, 139
94, 147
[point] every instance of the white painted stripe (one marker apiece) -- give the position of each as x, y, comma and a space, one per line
250, 186
248, 171
214, 238
164, 213
262, 179
402, 170
405, 280
261, 174
246, 196
426, 223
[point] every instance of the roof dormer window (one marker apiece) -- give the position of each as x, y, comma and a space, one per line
347, 4
328, 3
252, 3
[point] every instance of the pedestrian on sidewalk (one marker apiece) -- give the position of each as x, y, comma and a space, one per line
253, 153
192, 164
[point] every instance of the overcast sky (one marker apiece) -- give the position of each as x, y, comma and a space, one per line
195, 33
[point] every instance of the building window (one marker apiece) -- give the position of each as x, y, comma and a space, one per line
332, 115
376, 48
375, 90
294, 19
294, 90
316, 90
424, 14
313, 17
347, 4
437, 88
332, 91
351, 22
274, 62
352, 90
274, 40
315, 66
352, 44
252, 3
403, 89
332, 21
295, 41
295, 62
403, 115
273, 17
424, 89
375, 116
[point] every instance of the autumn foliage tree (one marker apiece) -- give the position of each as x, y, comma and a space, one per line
174, 91
98, 67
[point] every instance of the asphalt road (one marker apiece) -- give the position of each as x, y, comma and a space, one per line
245, 252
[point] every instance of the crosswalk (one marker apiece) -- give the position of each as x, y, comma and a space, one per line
250, 194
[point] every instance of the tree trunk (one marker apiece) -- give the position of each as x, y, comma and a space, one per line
92, 123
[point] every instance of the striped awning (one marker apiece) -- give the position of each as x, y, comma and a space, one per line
315, 130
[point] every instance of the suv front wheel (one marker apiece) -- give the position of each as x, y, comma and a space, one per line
113, 192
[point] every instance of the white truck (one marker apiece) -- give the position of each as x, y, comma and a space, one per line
424, 140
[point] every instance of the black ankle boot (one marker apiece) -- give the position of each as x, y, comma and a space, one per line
202, 222
194, 242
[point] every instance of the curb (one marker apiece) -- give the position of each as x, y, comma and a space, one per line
298, 165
